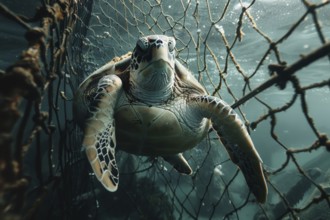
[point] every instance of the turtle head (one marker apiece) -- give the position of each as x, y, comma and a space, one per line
153, 63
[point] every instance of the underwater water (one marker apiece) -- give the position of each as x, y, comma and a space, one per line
149, 187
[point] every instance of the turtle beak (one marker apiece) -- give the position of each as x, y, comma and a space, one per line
162, 53
160, 58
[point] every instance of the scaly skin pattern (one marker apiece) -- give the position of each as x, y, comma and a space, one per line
152, 105
99, 140
234, 136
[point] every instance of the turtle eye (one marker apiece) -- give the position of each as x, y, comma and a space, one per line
171, 44
143, 44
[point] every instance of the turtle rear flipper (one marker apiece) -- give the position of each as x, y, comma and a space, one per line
235, 138
99, 134
179, 163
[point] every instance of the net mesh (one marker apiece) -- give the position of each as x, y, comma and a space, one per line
270, 59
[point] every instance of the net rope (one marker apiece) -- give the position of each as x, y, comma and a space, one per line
274, 73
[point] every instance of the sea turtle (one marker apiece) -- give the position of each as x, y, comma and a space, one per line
150, 104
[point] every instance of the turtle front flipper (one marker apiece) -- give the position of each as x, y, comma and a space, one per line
235, 138
179, 163
99, 134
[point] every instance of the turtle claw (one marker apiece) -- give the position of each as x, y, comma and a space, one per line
179, 163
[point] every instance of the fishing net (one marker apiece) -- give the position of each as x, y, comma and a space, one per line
269, 59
